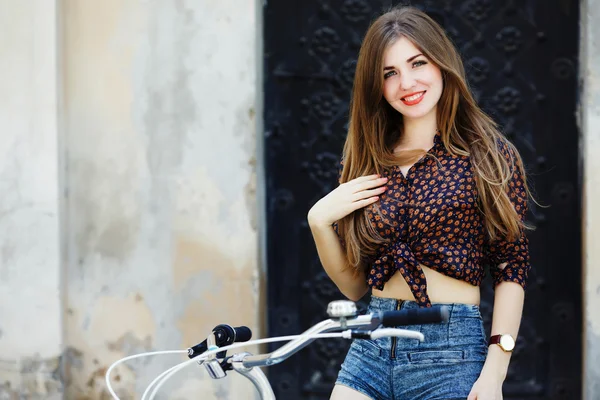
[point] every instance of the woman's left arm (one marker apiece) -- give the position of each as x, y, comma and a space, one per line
506, 319
508, 308
509, 267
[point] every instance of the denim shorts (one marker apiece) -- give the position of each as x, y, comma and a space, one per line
444, 366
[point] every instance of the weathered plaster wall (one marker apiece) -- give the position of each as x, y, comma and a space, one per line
30, 303
590, 142
161, 232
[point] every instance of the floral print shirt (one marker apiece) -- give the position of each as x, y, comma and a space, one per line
431, 217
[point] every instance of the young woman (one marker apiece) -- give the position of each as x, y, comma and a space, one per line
430, 192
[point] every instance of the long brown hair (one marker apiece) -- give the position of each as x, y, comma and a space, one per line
375, 128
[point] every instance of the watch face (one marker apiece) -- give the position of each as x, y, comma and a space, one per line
507, 342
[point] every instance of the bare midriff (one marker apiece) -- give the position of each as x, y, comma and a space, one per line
441, 289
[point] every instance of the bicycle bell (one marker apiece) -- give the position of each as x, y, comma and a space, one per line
342, 310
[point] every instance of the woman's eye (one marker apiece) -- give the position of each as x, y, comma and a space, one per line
419, 63
388, 74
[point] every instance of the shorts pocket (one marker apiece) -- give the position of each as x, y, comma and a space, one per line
365, 346
429, 357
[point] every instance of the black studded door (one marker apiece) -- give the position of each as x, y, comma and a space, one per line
521, 58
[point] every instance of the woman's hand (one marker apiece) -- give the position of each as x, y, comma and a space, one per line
346, 198
487, 387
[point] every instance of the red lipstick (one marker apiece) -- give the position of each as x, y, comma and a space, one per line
413, 101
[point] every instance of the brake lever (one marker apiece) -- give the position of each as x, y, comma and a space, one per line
214, 369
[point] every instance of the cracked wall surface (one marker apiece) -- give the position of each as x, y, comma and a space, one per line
161, 238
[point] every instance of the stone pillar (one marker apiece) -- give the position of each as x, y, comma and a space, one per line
160, 102
30, 301
590, 147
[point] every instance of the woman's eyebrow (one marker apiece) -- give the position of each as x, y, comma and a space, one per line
413, 57
409, 60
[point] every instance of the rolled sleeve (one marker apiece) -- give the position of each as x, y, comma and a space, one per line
516, 257
513, 254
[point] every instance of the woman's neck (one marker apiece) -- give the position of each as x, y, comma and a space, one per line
418, 133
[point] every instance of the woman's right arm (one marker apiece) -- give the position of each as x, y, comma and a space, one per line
343, 200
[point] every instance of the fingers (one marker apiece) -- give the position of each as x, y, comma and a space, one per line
362, 191
369, 184
365, 202
369, 193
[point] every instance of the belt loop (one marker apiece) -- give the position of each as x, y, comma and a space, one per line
451, 312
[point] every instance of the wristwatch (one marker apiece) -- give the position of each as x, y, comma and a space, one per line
505, 341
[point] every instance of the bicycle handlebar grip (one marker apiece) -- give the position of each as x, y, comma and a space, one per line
224, 335
242, 334
415, 317
227, 334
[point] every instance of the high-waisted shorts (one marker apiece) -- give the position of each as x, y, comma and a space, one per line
444, 366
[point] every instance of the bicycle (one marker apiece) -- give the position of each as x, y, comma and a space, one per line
212, 352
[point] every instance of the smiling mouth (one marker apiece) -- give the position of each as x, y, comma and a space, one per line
414, 98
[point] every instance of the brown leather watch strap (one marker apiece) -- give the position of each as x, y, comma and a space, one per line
495, 339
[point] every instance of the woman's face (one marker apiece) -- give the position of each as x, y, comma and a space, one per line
412, 84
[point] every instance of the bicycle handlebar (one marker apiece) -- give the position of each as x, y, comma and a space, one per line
344, 322
368, 322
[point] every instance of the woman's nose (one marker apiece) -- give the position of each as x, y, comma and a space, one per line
407, 81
